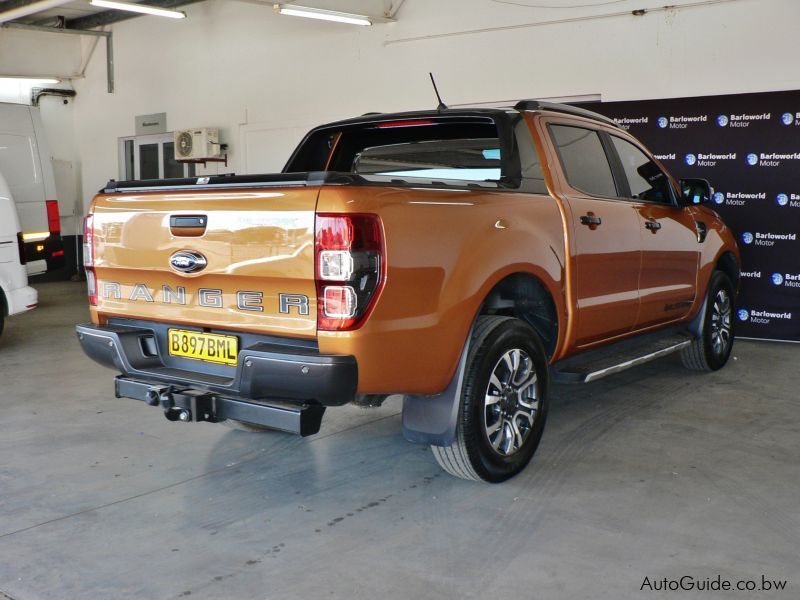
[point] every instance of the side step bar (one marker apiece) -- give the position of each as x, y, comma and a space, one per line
186, 404
596, 364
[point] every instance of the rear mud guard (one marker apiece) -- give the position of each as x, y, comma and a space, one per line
695, 326
432, 419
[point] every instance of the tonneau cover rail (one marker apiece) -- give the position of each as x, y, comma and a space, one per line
309, 179
229, 181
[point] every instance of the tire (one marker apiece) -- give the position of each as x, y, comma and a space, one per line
712, 349
503, 407
243, 426
2, 318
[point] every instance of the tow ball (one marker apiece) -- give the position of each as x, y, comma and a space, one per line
163, 396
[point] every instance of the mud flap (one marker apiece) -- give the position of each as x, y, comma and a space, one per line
432, 419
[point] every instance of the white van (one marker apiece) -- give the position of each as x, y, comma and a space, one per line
15, 294
26, 164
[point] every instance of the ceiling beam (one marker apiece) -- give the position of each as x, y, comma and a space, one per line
17, 9
108, 17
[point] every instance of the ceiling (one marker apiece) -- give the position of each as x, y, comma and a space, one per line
71, 10
79, 14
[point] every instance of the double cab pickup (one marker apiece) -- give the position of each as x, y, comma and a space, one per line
462, 258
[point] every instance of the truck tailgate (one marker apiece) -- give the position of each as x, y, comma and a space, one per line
258, 245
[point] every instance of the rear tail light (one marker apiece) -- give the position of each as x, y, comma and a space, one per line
340, 302
88, 258
21, 248
350, 265
53, 218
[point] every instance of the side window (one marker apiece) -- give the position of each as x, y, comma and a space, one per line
584, 160
646, 180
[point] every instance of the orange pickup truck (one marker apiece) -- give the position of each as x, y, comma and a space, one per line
463, 258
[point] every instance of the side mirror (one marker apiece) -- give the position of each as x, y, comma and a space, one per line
695, 191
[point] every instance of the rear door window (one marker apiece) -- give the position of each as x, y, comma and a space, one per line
584, 160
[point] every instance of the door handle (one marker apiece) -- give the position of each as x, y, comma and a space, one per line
591, 219
652, 225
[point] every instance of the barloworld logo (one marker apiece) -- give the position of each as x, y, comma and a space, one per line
719, 198
787, 118
767, 238
752, 159
663, 122
777, 279
760, 316
707, 159
782, 199
722, 120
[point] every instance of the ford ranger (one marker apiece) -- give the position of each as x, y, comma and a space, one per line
462, 258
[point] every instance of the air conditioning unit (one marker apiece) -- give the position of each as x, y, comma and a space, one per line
197, 144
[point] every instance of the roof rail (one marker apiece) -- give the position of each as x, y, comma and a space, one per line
564, 108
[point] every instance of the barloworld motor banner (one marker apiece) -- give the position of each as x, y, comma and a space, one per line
748, 147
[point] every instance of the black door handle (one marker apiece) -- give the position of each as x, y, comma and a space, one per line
591, 220
652, 225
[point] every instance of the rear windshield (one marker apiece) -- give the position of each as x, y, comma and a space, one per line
465, 150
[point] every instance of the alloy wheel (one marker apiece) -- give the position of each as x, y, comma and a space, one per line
511, 402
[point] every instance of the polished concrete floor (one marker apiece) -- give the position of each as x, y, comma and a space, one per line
657, 472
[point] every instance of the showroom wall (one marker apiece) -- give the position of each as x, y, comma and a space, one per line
264, 79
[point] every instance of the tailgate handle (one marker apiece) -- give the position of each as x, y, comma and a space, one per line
188, 225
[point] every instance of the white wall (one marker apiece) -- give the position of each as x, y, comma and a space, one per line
263, 79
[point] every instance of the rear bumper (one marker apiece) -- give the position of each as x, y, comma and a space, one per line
21, 300
265, 371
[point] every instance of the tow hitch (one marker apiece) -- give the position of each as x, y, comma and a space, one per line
187, 404
163, 396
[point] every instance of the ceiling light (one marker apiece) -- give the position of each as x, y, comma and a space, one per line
325, 15
139, 8
31, 81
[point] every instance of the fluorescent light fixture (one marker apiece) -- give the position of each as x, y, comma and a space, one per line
139, 8
31, 81
324, 15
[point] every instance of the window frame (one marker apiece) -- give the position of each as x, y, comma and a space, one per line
159, 139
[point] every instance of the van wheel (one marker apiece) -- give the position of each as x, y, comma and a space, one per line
503, 403
2, 318
242, 426
712, 349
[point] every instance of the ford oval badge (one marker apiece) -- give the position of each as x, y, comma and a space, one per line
188, 261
